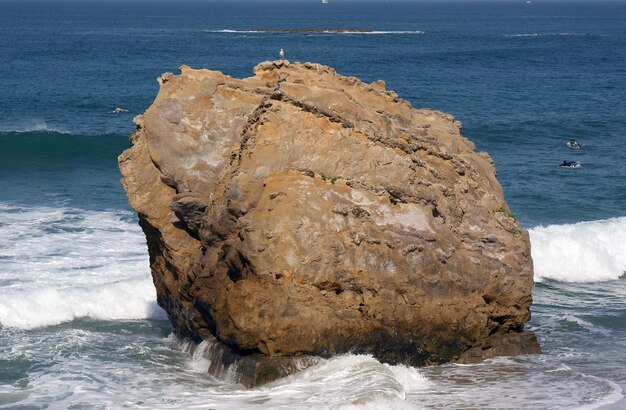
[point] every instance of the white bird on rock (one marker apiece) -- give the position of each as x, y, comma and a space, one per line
281, 54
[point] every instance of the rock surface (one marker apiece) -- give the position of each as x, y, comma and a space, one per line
300, 212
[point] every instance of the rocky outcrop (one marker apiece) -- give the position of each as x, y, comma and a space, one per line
300, 212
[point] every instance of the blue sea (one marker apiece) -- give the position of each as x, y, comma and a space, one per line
79, 324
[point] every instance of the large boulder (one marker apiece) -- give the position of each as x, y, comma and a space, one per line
299, 212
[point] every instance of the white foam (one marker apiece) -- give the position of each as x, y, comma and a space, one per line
614, 395
522, 35
348, 381
583, 252
59, 264
378, 32
141, 370
410, 377
31, 308
233, 31
374, 32
562, 34
585, 324
199, 361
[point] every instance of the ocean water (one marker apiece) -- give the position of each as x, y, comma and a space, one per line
79, 325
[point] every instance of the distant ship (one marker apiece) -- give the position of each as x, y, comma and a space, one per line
324, 1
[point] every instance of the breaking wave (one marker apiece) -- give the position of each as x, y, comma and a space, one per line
583, 252
59, 264
48, 305
348, 382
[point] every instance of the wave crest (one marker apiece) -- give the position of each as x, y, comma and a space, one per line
59, 264
31, 308
582, 252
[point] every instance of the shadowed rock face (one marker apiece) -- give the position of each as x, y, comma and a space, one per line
299, 212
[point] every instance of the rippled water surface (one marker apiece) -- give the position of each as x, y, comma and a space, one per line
79, 325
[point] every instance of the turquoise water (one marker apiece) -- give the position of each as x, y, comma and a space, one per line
79, 324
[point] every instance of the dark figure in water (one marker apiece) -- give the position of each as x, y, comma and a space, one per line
568, 164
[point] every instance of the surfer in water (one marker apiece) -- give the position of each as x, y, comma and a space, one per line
569, 164
118, 110
574, 144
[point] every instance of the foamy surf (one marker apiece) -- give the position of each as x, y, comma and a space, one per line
109, 366
583, 252
347, 381
361, 382
60, 264
522, 382
30, 308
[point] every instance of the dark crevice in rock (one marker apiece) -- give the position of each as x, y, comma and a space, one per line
190, 212
153, 237
249, 131
310, 108
239, 267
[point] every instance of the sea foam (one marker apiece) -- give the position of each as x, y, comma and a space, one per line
59, 264
348, 382
582, 252
30, 308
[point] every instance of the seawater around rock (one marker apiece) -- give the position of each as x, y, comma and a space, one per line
302, 213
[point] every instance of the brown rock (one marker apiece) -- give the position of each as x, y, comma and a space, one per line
321, 216
509, 344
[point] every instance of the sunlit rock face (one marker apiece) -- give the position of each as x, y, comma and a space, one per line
300, 213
